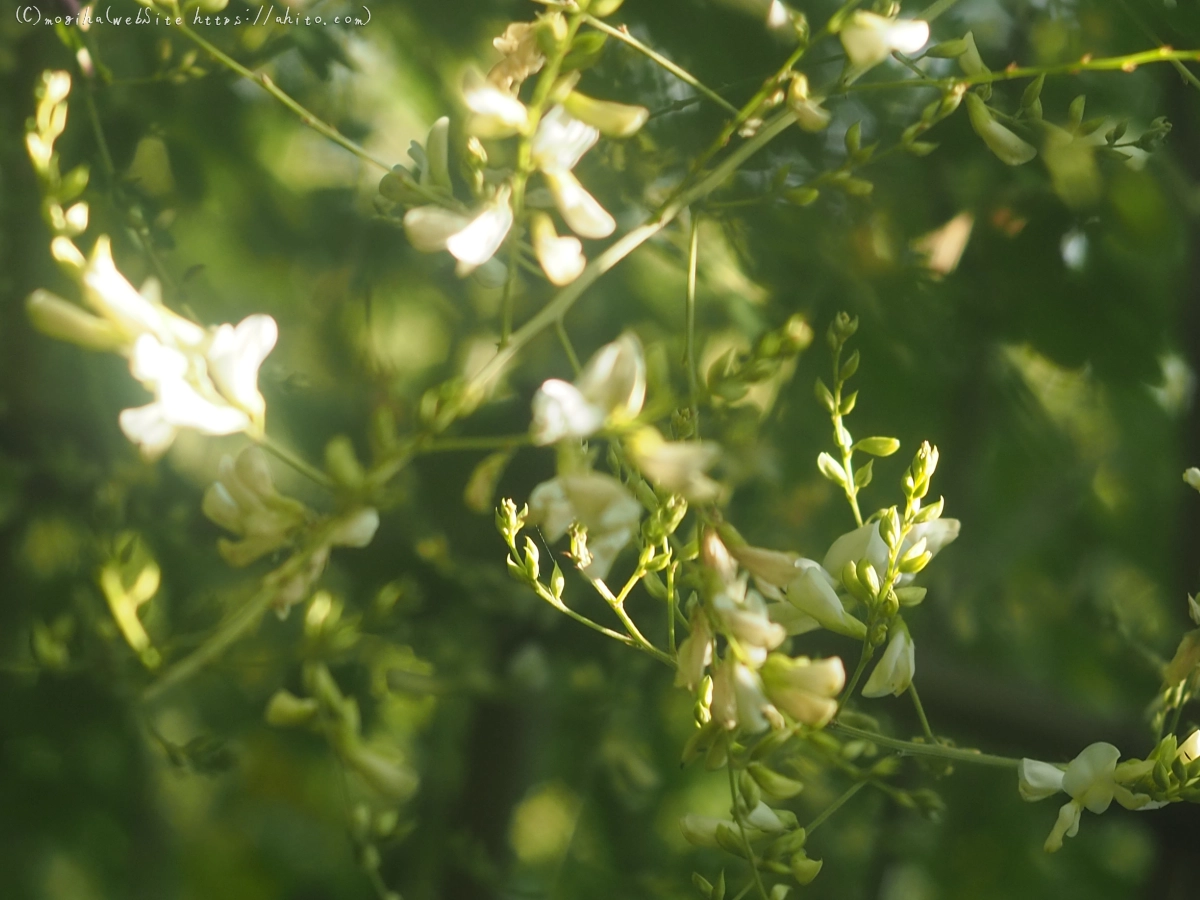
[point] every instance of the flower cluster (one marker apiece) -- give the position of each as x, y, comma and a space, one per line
243, 500
606, 399
554, 131
205, 379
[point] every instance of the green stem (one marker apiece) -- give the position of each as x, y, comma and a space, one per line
737, 817
865, 657
229, 632
566, 298
834, 807
482, 442
916, 699
307, 469
1128, 63
933, 10
912, 748
568, 348
682, 74
689, 352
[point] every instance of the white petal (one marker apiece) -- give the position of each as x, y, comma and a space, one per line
428, 228
550, 508
1089, 777
894, 672
152, 363
615, 378
494, 113
585, 216
358, 530
183, 405
147, 427
561, 140
561, 411
1189, 750
108, 292
862, 543
1037, 780
811, 593
235, 356
561, 258
480, 240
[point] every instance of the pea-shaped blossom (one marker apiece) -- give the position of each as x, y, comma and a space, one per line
869, 39
609, 391
596, 501
471, 239
742, 614
814, 594
492, 111
558, 144
202, 379
894, 672
806, 689
1092, 780
677, 467
243, 500
695, 651
739, 700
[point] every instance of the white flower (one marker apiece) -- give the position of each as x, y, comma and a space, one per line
1038, 780
177, 404
806, 689
894, 672
869, 39
472, 240
810, 114
561, 258
1093, 780
743, 614
494, 113
107, 291
738, 699
234, 357
865, 543
1007, 147
677, 467
695, 652
861, 543
598, 502
773, 570
812, 592
243, 500
1192, 477
610, 390
559, 143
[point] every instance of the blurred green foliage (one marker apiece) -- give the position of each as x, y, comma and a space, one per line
1055, 369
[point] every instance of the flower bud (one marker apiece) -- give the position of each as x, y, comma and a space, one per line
805, 870
65, 321
1007, 147
1192, 477
809, 113
617, 120
286, 710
